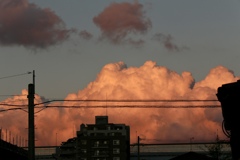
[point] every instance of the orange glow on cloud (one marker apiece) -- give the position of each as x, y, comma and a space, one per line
119, 82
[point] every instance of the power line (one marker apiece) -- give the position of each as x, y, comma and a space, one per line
115, 106
89, 106
13, 105
125, 105
15, 75
4, 110
114, 100
136, 106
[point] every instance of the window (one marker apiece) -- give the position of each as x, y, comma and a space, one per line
100, 134
96, 153
116, 158
83, 150
118, 127
96, 144
118, 133
116, 142
83, 142
116, 150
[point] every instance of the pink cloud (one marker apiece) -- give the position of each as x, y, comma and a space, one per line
118, 20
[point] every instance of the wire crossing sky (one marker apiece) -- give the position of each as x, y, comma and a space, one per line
118, 50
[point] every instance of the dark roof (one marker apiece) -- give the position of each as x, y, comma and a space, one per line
192, 156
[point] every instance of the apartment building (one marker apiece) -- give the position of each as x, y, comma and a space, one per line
99, 141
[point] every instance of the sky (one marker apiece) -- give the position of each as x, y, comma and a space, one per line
116, 49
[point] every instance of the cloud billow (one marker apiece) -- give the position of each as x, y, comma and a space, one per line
116, 81
167, 42
118, 20
26, 24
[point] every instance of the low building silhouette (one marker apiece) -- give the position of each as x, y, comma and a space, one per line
99, 141
67, 150
11, 151
192, 156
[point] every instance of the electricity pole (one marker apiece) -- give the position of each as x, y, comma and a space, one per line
138, 144
31, 133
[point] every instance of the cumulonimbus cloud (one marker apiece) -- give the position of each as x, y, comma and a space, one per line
26, 24
120, 82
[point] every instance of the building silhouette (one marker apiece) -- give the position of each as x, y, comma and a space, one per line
67, 150
193, 156
99, 141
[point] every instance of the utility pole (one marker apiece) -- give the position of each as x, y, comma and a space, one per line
31, 133
138, 144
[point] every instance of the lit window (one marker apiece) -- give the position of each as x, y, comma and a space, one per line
84, 151
96, 153
96, 144
116, 150
116, 142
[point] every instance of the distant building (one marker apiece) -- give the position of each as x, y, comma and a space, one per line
67, 150
99, 141
193, 156
147, 151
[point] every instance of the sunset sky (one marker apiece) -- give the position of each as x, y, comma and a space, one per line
115, 49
